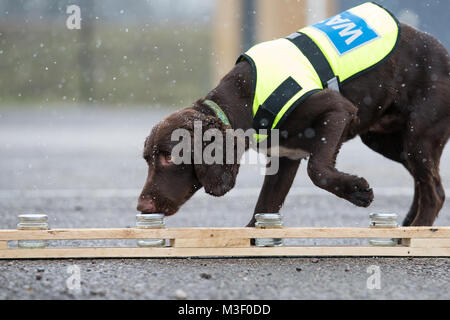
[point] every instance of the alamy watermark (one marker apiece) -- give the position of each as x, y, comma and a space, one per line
374, 280
73, 282
212, 146
74, 19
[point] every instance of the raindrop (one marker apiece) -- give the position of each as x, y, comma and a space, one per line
263, 122
310, 133
367, 100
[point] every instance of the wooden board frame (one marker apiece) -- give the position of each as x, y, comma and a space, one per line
229, 242
170, 252
200, 233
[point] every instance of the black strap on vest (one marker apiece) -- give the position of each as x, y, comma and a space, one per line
318, 60
267, 112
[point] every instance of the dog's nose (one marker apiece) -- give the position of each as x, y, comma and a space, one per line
146, 205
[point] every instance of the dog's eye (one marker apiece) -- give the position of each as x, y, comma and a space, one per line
166, 159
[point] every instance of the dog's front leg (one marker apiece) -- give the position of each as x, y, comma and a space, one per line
331, 130
276, 188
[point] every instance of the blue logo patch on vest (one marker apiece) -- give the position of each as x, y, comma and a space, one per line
346, 31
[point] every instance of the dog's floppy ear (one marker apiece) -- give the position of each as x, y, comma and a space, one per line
216, 178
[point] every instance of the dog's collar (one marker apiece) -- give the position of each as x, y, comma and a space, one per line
218, 111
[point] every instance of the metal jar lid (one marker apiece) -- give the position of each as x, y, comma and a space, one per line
269, 219
383, 220
268, 216
150, 220
33, 218
149, 216
383, 216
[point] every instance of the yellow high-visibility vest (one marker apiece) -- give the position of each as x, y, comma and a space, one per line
324, 55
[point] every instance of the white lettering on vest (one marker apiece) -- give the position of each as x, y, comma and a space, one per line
349, 32
336, 20
339, 23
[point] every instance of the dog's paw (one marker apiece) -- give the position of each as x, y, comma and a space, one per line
359, 193
362, 198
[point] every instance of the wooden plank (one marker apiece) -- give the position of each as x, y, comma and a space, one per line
3, 245
199, 233
426, 243
211, 243
399, 251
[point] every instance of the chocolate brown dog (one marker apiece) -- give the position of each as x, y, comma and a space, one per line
400, 109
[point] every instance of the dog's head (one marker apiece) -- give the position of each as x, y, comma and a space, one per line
172, 180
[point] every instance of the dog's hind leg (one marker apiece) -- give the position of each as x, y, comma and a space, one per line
419, 151
423, 158
391, 146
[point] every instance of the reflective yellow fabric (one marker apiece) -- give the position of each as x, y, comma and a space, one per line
366, 55
275, 61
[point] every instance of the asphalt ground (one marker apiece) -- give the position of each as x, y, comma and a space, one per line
83, 168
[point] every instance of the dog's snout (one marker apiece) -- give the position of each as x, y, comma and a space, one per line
146, 205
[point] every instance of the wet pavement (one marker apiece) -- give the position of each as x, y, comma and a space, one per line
83, 168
